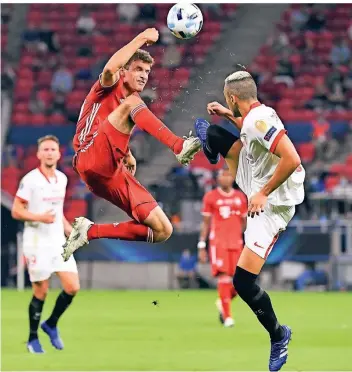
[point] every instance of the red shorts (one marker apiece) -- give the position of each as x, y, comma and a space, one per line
223, 261
100, 166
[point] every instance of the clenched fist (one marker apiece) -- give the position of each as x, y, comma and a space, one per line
215, 108
150, 35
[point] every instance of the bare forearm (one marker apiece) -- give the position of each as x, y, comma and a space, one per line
24, 215
282, 172
204, 231
236, 121
122, 56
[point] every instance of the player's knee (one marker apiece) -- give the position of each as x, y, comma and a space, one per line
72, 289
244, 283
40, 292
163, 232
220, 140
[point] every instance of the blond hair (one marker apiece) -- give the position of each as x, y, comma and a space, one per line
48, 137
242, 85
140, 55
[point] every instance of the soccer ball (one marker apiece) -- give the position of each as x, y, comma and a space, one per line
185, 20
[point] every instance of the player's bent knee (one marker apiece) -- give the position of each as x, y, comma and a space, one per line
244, 283
162, 234
72, 289
220, 140
40, 292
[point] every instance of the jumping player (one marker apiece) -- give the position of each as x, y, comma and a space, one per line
39, 203
103, 158
224, 212
268, 169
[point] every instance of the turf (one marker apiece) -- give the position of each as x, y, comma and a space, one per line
108, 330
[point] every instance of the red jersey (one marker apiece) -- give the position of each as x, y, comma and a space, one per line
97, 106
227, 211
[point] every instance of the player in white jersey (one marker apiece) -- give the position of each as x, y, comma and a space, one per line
39, 203
268, 169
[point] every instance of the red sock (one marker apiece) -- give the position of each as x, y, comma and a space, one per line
147, 121
233, 292
225, 294
130, 230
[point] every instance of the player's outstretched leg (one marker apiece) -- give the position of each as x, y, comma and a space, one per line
85, 230
259, 301
215, 140
201, 127
40, 290
155, 228
134, 108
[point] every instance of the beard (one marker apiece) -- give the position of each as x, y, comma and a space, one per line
49, 165
236, 111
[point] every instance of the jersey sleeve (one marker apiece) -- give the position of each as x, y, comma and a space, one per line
267, 129
24, 191
99, 90
207, 209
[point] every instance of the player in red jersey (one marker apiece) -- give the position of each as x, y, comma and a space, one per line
103, 158
224, 214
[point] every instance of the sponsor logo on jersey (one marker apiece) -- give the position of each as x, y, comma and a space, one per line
261, 126
270, 133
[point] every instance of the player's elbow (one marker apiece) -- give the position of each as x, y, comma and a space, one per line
14, 213
107, 72
295, 161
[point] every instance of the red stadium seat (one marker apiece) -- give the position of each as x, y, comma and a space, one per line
331, 182
57, 119
21, 119
337, 168
39, 120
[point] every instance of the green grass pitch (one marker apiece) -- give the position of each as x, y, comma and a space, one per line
123, 330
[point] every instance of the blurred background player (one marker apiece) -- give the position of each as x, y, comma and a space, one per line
39, 202
103, 158
224, 214
275, 187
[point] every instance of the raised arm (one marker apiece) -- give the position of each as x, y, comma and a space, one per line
110, 73
215, 108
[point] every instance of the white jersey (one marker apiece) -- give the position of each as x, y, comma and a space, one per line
43, 194
261, 132
244, 174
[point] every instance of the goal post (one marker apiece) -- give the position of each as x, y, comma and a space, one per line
21, 267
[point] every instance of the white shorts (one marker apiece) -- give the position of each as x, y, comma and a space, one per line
41, 265
263, 231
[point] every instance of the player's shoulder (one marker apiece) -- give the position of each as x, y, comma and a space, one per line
262, 119
261, 112
31, 175
210, 195
61, 176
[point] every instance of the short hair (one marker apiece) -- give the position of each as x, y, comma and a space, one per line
242, 85
48, 137
140, 55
